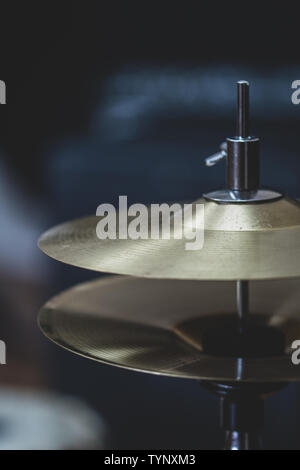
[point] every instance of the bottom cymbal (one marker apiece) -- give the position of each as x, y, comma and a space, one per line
163, 326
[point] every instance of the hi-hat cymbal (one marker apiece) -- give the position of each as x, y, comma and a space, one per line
159, 326
241, 241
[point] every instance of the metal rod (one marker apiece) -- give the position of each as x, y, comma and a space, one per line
243, 108
237, 440
242, 299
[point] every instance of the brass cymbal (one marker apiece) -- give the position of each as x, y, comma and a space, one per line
241, 241
158, 326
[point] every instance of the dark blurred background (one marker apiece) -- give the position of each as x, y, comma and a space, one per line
112, 98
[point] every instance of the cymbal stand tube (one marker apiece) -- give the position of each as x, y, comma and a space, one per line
242, 299
236, 440
242, 411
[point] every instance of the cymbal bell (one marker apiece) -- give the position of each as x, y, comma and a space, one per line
159, 326
241, 241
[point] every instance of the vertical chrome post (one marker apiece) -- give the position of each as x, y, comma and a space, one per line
242, 150
242, 300
236, 440
242, 128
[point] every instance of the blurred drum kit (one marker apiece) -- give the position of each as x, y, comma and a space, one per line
170, 314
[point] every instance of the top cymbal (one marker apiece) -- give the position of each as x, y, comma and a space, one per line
241, 241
